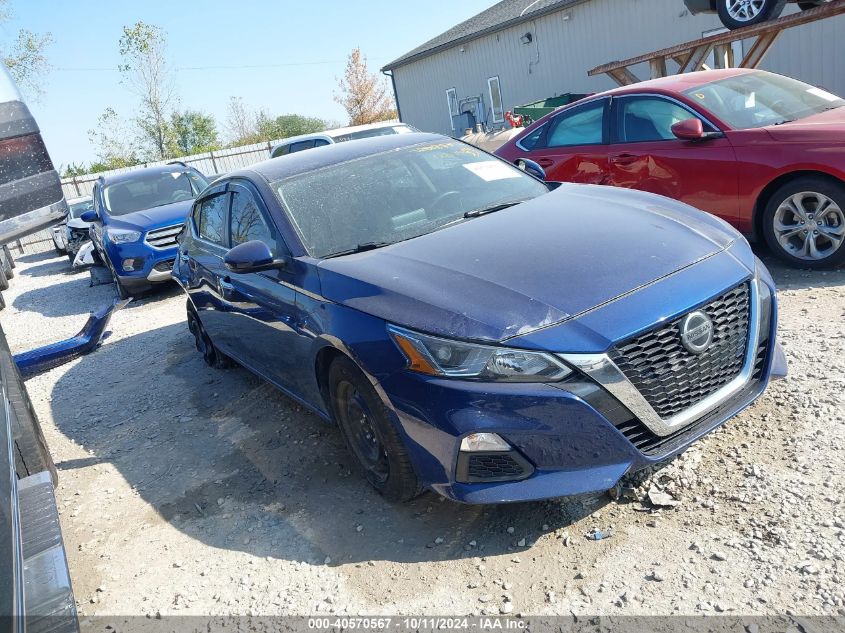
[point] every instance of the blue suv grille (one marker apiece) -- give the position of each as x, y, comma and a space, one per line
164, 238
673, 379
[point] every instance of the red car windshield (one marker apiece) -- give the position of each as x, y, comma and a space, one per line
759, 99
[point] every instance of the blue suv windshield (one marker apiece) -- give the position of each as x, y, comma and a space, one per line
399, 195
147, 191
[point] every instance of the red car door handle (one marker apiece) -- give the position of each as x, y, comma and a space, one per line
624, 159
545, 162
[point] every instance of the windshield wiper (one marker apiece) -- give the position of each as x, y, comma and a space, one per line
477, 213
361, 248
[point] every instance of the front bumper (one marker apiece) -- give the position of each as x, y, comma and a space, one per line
578, 436
150, 266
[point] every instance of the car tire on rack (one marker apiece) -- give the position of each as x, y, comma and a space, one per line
7, 265
804, 222
370, 436
9, 255
736, 14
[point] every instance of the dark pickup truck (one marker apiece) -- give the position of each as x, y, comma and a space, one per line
35, 588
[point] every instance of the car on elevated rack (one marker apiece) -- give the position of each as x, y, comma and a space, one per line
135, 220
761, 151
464, 324
736, 14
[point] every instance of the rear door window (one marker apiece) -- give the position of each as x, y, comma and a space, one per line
583, 126
301, 145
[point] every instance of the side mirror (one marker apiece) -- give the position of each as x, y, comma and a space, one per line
251, 257
90, 216
689, 130
530, 167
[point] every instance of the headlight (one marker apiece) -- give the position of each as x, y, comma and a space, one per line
122, 236
455, 359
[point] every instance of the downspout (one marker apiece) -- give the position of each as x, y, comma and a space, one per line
389, 73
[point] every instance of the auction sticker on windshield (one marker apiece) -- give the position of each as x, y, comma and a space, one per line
491, 170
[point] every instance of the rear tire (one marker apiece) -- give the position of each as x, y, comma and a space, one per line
736, 14
810, 5
370, 435
804, 222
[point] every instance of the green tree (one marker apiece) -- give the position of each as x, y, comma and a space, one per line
75, 169
145, 71
113, 142
287, 125
192, 132
364, 95
25, 56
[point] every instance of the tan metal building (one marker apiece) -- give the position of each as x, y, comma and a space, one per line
520, 51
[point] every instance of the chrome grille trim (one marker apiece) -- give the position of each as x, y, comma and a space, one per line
602, 369
163, 238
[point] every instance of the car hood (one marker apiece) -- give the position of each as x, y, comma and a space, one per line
826, 127
76, 223
527, 267
154, 218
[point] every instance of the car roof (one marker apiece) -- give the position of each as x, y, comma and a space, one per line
335, 132
300, 162
680, 83
134, 173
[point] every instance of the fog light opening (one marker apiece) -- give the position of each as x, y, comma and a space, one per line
484, 442
129, 265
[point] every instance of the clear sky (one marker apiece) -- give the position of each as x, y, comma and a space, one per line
280, 55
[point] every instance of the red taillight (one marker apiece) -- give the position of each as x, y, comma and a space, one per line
23, 156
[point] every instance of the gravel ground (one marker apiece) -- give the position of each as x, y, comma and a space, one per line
187, 490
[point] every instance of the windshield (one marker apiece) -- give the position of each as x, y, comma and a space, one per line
759, 99
147, 191
78, 208
398, 195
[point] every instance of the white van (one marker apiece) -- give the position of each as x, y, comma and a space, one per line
339, 135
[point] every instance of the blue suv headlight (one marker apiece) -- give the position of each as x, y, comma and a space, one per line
123, 236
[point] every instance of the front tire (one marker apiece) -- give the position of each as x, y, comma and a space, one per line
736, 14
202, 341
804, 223
369, 433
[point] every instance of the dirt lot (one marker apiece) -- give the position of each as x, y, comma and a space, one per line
190, 490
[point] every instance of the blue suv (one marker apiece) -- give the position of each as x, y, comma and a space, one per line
136, 218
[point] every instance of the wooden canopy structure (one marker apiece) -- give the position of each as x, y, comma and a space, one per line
691, 56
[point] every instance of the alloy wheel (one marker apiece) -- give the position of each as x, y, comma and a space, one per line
745, 10
809, 225
357, 421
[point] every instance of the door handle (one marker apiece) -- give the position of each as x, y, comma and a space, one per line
226, 288
545, 162
624, 159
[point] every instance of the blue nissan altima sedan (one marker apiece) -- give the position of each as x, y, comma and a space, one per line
471, 329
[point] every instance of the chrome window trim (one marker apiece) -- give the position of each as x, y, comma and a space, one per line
604, 371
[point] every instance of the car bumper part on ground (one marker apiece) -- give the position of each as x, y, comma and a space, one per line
45, 358
578, 437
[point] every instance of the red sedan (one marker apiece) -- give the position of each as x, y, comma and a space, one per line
764, 152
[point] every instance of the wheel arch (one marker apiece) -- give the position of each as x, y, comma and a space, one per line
766, 193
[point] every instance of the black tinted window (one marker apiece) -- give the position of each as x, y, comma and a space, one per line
212, 218
582, 127
248, 223
530, 141
301, 145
